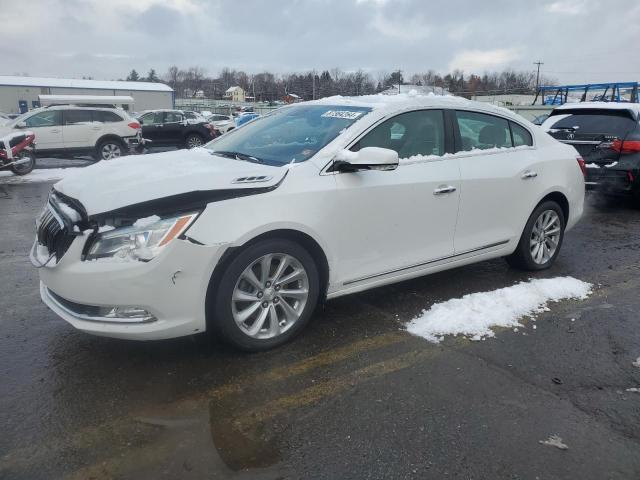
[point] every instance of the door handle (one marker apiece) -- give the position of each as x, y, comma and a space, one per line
444, 190
529, 174
55, 131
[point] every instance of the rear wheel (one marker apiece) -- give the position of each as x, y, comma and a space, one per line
541, 239
109, 150
26, 161
194, 140
267, 295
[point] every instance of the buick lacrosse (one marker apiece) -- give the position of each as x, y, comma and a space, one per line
316, 200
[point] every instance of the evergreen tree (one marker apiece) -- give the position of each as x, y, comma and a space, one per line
133, 76
152, 76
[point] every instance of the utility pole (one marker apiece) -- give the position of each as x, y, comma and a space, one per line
399, 80
538, 63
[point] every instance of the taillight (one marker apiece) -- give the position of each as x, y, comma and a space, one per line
626, 146
630, 176
583, 167
134, 125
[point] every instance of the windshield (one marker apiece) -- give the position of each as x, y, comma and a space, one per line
585, 121
288, 135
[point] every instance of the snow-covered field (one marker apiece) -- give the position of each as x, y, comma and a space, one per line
475, 314
38, 175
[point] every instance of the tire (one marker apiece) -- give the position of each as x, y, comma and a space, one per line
194, 140
268, 302
24, 168
109, 150
526, 256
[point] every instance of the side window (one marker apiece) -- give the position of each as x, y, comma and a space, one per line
77, 117
521, 135
172, 117
190, 115
51, 118
412, 133
106, 117
152, 118
481, 131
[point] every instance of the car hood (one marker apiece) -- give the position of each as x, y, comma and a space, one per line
175, 177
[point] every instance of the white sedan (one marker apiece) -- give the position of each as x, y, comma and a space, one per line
314, 201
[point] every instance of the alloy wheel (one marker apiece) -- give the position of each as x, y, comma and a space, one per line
110, 151
270, 295
545, 237
194, 141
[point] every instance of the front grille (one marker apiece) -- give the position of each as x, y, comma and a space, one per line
52, 235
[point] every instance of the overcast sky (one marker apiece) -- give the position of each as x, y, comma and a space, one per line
578, 40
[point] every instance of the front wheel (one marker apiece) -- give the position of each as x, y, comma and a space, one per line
26, 163
267, 295
541, 239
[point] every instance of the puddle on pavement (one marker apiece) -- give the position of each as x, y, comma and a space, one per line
241, 443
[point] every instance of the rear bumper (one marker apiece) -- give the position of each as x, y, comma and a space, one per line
610, 182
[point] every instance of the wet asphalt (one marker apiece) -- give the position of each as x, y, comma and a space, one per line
354, 397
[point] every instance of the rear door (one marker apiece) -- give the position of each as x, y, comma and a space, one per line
47, 126
79, 129
499, 182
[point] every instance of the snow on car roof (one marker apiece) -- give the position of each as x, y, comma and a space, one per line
12, 80
390, 103
634, 107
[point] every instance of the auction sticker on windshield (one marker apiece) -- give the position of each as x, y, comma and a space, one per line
346, 114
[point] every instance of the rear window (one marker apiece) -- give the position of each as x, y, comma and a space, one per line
77, 117
608, 122
106, 117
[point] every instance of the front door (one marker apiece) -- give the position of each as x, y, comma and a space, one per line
393, 222
47, 126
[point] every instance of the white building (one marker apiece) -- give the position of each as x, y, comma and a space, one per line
19, 94
235, 94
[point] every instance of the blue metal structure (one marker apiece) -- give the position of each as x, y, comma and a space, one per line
557, 95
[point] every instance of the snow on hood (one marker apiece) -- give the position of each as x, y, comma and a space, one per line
114, 184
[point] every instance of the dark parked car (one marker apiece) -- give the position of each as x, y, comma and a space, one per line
607, 136
177, 128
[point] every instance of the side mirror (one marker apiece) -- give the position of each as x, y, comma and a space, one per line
21, 125
369, 158
140, 121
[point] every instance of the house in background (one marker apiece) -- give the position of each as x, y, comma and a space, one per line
235, 94
291, 98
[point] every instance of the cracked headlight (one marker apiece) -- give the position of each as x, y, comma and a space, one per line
141, 241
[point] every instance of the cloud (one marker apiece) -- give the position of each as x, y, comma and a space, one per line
568, 7
106, 39
477, 61
402, 29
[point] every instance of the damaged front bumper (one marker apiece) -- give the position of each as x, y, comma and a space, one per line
162, 298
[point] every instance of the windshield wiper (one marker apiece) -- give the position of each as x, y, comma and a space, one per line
238, 156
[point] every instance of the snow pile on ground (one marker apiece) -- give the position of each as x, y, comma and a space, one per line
475, 314
38, 175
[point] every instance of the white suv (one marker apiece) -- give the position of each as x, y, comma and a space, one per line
66, 130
